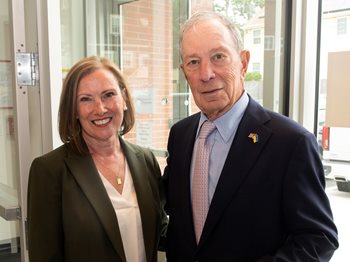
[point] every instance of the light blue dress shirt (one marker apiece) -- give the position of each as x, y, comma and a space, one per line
220, 140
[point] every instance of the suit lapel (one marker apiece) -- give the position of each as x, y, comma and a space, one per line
184, 178
138, 170
178, 179
241, 158
86, 175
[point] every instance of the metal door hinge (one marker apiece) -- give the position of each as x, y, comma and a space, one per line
27, 69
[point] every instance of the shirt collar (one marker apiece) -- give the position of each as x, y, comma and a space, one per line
228, 123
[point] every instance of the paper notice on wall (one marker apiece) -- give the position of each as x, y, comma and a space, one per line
6, 98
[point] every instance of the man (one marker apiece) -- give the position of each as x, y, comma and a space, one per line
265, 193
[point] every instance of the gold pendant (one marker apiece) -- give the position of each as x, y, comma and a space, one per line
119, 181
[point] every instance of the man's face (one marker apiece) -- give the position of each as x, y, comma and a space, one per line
213, 68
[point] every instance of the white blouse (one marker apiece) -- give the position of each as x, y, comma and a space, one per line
129, 219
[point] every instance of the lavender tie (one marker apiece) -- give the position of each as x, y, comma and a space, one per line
200, 198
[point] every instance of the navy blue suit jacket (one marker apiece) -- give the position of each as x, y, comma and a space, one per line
269, 204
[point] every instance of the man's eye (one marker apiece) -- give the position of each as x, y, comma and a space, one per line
192, 64
219, 57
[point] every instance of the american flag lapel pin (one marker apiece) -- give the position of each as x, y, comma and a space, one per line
254, 137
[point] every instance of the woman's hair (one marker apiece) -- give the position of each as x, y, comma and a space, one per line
211, 15
68, 123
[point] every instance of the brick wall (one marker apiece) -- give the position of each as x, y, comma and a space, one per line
147, 63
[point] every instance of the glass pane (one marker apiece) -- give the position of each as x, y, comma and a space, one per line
142, 38
147, 60
262, 25
89, 27
139, 37
334, 114
9, 230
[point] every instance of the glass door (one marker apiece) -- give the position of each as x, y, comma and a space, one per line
19, 117
333, 125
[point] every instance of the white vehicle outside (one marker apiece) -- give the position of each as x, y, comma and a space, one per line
336, 155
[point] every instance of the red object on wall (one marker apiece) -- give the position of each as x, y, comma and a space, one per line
325, 138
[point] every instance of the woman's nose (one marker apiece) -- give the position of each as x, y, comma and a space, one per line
206, 71
100, 107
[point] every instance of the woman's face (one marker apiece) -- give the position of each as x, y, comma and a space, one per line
100, 106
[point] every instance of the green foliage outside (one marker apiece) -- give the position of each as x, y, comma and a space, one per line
238, 9
253, 76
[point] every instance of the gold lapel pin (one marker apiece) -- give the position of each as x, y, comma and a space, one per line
254, 137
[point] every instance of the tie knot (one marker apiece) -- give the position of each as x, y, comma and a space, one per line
206, 129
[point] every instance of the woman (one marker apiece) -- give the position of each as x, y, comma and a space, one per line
97, 197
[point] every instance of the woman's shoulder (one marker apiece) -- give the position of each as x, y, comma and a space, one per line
49, 166
54, 157
57, 152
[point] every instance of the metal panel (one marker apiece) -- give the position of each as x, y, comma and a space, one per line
9, 211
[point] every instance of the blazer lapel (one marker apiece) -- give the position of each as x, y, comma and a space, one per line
86, 175
241, 157
137, 165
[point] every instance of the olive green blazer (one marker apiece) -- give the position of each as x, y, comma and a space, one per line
70, 216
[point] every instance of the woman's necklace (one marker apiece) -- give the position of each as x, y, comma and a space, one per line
119, 175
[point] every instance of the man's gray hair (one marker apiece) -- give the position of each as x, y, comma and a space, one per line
211, 15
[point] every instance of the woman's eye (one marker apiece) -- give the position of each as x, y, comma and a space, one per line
84, 99
108, 95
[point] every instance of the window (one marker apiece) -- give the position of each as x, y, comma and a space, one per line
256, 37
142, 38
269, 42
342, 26
333, 122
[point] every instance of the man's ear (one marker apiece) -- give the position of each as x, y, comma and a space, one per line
182, 67
245, 57
183, 70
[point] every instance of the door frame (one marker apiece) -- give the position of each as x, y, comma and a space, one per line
47, 19
21, 123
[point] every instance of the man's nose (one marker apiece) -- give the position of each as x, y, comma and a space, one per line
206, 71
